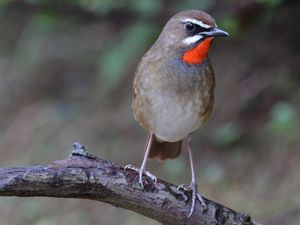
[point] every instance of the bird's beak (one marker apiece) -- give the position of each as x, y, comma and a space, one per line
215, 32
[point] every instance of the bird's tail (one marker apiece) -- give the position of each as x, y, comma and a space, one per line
165, 150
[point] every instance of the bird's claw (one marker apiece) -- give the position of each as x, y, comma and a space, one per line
148, 174
184, 187
151, 176
131, 167
195, 196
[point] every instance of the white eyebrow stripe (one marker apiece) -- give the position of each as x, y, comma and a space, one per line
198, 22
192, 39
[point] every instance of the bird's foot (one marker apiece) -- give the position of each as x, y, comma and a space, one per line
141, 172
195, 196
184, 187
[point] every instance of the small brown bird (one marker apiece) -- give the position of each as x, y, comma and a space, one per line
173, 88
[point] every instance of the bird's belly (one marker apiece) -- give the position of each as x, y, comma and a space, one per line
174, 118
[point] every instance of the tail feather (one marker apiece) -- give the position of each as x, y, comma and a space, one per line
165, 150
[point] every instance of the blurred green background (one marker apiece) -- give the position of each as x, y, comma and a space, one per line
66, 70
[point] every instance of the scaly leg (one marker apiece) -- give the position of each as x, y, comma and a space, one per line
193, 184
142, 170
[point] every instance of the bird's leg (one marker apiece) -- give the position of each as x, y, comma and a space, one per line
193, 184
142, 170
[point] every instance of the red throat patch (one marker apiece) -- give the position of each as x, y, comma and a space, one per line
197, 54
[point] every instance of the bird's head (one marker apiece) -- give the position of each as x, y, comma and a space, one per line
191, 33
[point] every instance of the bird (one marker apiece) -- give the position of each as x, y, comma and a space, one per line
173, 89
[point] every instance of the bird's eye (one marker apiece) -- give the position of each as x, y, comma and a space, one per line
190, 26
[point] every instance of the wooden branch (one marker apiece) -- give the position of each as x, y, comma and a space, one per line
85, 176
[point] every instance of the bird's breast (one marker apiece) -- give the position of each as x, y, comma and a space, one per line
175, 115
171, 101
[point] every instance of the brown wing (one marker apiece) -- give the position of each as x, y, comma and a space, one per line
140, 103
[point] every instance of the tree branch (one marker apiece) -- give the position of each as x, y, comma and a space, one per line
85, 176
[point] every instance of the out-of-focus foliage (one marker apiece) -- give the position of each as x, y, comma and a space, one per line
226, 135
116, 60
271, 3
230, 24
283, 119
66, 70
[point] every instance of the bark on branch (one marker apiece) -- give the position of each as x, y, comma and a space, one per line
84, 176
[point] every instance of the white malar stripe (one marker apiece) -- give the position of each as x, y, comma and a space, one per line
192, 40
198, 22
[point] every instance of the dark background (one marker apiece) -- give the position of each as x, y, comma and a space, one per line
66, 70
